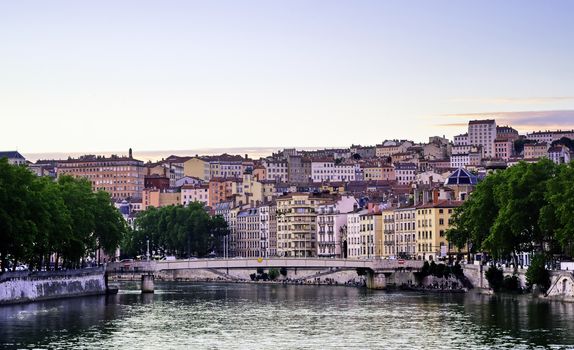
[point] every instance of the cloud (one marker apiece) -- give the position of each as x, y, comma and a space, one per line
514, 100
523, 120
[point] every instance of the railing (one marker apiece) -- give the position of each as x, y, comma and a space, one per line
15, 275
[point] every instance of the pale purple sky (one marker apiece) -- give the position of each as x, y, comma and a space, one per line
155, 75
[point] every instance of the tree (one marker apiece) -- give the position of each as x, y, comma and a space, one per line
40, 218
537, 273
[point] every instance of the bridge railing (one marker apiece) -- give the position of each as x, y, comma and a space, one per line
141, 266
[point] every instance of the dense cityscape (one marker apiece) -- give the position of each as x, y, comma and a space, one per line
394, 200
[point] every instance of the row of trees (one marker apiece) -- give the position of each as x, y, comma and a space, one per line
176, 230
64, 220
525, 208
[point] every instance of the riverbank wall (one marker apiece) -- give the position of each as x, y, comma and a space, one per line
476, 275
25, 286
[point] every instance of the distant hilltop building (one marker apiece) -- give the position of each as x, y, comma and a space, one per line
550, 136
14, 157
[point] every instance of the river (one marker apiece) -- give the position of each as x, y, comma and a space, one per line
250, 316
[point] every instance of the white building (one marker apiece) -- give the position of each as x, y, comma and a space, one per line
560, 154
354, 234
331, 222
194, 193
483, 133
328, 170
549, 136
14, 157
276, 170
405, 173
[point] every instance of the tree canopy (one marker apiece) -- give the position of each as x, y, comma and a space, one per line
176, 230
525, 208
40, 218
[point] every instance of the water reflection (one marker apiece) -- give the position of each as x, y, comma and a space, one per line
226, 316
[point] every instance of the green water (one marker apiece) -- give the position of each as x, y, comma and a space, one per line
247, 316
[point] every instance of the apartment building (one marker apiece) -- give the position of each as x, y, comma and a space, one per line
297, 223
122, 177
483, 133
433, 220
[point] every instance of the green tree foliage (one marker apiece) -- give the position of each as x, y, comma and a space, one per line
273, 274
523, 208
40, 218
176, 230
495, 278
537, 273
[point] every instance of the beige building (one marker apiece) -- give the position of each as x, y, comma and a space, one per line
296, 223
535, 150
389, 243
405, 232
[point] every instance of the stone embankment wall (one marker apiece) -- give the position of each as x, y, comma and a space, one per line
476, 275
23, 286
561, 286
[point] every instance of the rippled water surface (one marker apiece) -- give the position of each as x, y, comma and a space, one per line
246, 316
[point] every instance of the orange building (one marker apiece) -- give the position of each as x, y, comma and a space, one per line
220, 189
122, 177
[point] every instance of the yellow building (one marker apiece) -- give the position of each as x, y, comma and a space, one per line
152, 197
296, 223
371, 235
379, 172
197, 167
433, 220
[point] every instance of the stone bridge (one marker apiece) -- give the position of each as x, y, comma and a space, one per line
376, 270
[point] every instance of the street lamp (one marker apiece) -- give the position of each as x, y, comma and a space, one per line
147, 251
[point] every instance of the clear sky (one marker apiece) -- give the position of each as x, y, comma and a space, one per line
154, 75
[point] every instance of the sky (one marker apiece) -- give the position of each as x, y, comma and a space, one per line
98, 76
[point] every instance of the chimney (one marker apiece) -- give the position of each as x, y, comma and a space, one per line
130, 153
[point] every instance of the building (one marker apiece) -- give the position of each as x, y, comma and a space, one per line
506, 133
331, 224
390, 147
157, 181
388, 225
503, 148
330, 170
221, 166
405, 173
371, 234
153, 197
255, 231
405, 232
533, 151
276, 170
14, 157
560, 154
121, 177
483, 133
433, 220
299, 168
378, 172
296, 223
221, 190
354, 246
194, 193
549, 136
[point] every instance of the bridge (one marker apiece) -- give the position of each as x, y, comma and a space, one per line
376, 270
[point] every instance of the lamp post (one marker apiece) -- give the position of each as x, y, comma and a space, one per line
147, 251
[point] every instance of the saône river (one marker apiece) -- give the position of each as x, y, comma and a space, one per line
263, 316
